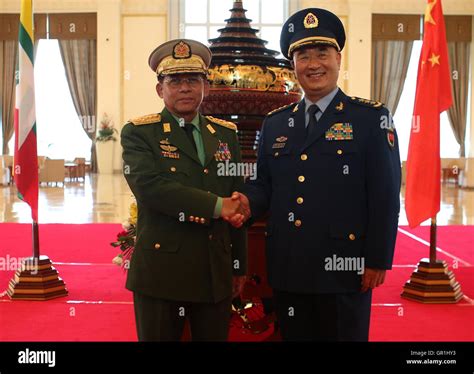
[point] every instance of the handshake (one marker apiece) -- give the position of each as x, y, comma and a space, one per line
236, 209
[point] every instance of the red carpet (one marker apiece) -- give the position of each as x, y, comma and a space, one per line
397, 319
99, 308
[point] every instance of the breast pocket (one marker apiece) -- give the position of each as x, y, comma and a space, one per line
175, 172
342, 162
280, 162
339, 149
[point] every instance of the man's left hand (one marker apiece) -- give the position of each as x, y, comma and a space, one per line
238, 283
372, 278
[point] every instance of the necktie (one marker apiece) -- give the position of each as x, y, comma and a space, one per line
189, 127
312, 110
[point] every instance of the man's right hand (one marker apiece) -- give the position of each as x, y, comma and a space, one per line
242, 213
230, 207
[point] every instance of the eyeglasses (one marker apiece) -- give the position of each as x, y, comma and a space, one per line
177, 82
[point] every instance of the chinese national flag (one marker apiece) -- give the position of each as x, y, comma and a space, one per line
433, 96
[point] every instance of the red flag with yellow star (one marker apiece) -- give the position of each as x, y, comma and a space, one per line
433, 96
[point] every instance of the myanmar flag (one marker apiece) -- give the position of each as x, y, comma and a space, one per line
26, 160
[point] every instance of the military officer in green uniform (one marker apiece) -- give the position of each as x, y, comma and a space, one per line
188, 261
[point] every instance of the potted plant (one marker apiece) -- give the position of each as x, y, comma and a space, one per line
105, 145
106, 130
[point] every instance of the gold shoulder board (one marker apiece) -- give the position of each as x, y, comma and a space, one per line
367, 103
221, 122
280, 109
146, 120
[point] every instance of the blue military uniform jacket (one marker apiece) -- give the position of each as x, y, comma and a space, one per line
333, 194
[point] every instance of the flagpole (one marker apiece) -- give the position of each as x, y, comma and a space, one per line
37, 279
36, 247
433, 240
432, 281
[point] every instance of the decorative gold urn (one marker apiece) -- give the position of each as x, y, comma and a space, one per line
247, 80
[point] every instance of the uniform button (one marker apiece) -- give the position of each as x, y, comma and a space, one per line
339, 151
206, 171
299, 200
266, 233
276, 154
173, 169
157, 246
297, 223
202, 220
301, 178
210, 237
191, 218
304, 157
352, 237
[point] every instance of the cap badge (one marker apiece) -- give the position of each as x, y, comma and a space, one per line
181, 50
310, 21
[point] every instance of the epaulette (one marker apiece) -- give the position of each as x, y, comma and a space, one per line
367, 103
146, 120
281, 109
221, 122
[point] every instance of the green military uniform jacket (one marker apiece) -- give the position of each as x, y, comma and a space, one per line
182, 253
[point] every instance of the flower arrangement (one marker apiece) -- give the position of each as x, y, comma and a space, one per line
126, 239
106, 130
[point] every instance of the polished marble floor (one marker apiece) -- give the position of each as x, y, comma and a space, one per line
105, 198
101, 198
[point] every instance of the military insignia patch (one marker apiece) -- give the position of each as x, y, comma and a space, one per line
168, 150
166, 127
211, 129
280, 142
391, 137
181, 50
340, 131
340, 106
310, 21
223, 152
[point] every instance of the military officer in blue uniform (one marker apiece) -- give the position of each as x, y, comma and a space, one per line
188, 261
328, 172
